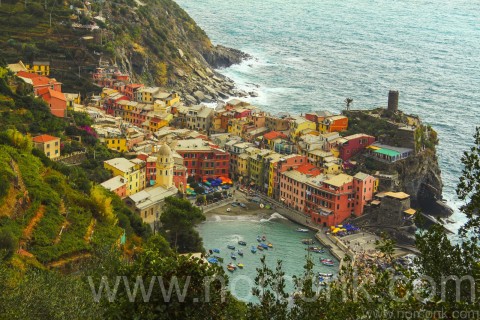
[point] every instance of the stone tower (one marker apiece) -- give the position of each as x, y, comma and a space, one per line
392, 101
165, 167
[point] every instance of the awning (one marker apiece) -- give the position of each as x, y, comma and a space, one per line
410, 211
373, 147
375, 202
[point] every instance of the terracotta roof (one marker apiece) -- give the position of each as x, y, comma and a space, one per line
309, 169
37, 80
274, 135
44, 138
47, 94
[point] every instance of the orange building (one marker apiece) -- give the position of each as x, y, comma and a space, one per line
334, 124
55, 100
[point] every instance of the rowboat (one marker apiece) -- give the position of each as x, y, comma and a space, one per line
242, 243
231, 247
240, 265
259, 247
240, 253
270, 245
253, 249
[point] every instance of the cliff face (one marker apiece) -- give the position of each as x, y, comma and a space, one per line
420, 176
155, 41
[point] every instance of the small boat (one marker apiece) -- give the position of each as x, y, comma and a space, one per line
242, 243
231, 269
270, 245
231, 247
220, 259
259, 247
231, 265
240, 265
259, 239
307, 241
316, 249
328, 263
216, 250
264, 246
264, 238
301, 230
325, 275
212, 260
240, 253
325, 260
233, 256
253, 249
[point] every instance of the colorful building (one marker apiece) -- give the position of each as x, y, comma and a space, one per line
39, 67
55, 100
117, 185
50, 145
203, 159
133, 172
334, 124
354, 144
299, 124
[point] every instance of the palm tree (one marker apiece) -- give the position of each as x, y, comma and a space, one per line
348, 101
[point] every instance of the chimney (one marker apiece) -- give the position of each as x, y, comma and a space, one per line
392, 101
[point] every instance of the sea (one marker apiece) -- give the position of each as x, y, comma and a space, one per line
312, 54
220, 231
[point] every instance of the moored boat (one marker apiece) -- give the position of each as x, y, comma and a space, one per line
264, 238
233, 256
240, 253
216, 250
270, 245
259, 239
242, 243
264, 246
328, 263
253, 249
259, 247
231, 247
307, 241
240, 265
231, 269
231, 265
212, 260
301, 230
325, 275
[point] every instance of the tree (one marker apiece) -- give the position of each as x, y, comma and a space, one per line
179, 218
348, 101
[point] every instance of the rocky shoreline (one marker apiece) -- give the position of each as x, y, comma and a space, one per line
205, 84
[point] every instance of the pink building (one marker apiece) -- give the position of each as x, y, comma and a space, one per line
293, 185
352, 145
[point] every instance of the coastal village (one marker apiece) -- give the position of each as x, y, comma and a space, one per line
303, 165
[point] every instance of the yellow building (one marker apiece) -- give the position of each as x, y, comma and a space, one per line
274, 158
299, 124
132, 171
255, 166
50, 145
235, 126
332, 168
172, 99
165, 163
107, 92
39, 67
242, 164
117, 144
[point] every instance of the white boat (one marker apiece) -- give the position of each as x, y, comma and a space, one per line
302, 230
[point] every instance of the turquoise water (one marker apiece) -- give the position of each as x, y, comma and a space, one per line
279, 231
311, 55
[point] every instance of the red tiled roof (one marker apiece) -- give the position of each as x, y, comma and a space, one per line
47, 94
44, 138
274, 135
309, 168
37, 80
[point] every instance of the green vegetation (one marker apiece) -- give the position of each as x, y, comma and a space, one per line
179, 218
